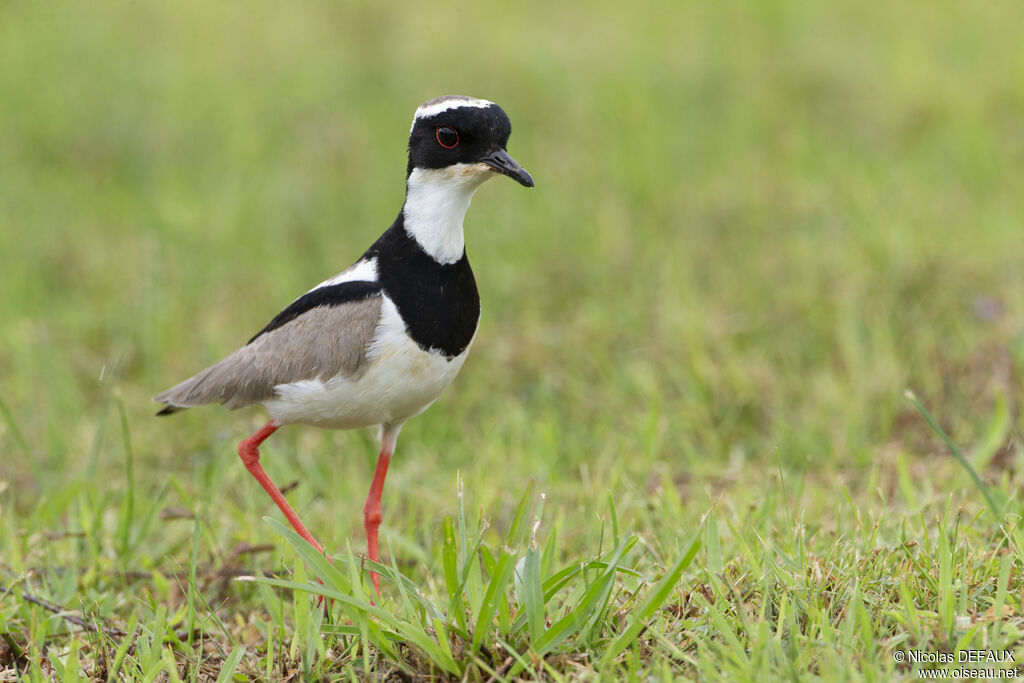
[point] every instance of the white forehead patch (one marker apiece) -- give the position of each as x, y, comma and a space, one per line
434, 107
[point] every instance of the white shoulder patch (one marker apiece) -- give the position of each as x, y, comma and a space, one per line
364, 270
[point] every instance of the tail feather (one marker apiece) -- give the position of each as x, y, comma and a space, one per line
189, 394
169, 410
234, 382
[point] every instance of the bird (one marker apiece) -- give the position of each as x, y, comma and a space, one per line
378, 343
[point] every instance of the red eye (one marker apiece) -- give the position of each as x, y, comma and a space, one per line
447, 137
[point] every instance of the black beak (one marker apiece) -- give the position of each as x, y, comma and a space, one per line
504, 164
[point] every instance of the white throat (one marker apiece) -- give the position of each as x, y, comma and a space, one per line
436, 201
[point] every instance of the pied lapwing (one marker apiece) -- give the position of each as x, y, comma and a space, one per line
378, 343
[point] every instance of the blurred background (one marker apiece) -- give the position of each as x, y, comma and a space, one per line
755, 225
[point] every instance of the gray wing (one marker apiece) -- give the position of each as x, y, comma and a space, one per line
322, 342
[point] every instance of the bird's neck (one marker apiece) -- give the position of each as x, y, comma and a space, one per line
436, 201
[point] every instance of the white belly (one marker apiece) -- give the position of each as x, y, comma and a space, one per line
400, 381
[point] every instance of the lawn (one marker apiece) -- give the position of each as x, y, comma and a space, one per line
683, 444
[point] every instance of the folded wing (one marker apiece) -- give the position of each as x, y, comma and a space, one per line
323, 334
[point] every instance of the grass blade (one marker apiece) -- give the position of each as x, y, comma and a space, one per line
652, 602
995, 508
580, 614
495, 592
124, 525
502, 572
532, 593
450, 560
227, 671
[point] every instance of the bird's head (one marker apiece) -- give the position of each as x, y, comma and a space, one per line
462, 138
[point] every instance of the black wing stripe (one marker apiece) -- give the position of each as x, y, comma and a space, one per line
331, 295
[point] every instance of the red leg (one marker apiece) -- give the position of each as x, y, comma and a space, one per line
371, 509
250, 454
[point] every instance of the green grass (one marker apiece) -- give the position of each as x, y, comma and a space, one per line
681, 445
